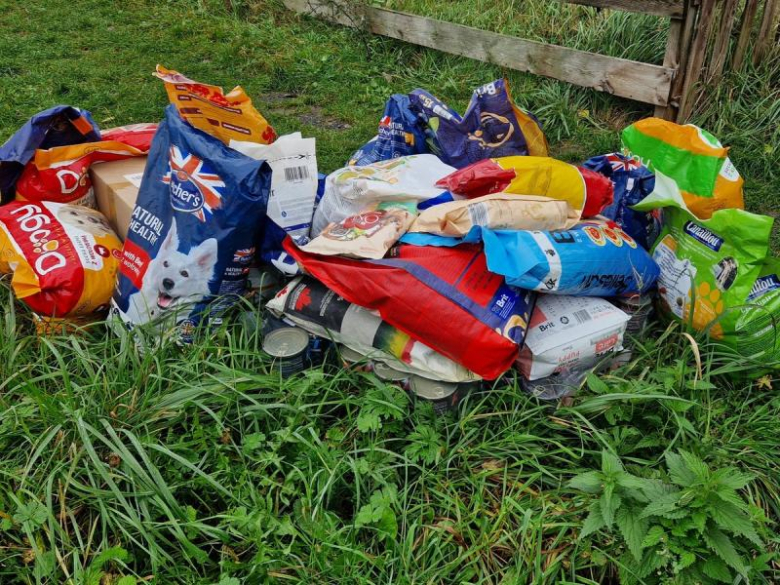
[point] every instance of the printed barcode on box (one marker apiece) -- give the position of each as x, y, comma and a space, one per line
296, 174
478, 213
582, 316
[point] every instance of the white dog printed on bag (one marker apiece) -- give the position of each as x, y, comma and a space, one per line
173, 279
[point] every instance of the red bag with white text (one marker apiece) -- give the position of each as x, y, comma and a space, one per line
64, 258
60, 174
442, 297
136, 135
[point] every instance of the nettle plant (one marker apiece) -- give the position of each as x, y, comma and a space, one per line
696, 529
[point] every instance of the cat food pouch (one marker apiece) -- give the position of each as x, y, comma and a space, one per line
63, 258
320, 311
57, 126
443, 297
369, 234
350, 190
492, 126
708, 266
500, 211
192, 233
226, 116
586, 191
703, 177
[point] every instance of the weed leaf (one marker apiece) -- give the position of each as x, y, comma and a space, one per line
594, 521
721, 545
729, 517
678, 471
716, 569
609, 502
662, 505
590, 482
653, 536
633, 528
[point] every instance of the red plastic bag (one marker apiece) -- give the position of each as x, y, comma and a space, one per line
442, 297
585, 190
136, 135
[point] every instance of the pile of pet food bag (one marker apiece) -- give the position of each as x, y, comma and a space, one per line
450, 250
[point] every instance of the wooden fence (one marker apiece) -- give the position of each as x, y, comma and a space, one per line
702, 36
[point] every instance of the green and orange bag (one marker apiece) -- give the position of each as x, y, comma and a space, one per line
704, 178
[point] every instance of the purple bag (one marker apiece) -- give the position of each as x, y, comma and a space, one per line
492, 127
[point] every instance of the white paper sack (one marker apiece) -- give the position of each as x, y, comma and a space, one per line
350, 190
293, 161
569, 332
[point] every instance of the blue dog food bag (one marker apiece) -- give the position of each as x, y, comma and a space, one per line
493, 126
401, 133
193, 230
596, 260
592, 259
632, 182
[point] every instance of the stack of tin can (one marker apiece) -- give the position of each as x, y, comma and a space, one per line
443, 396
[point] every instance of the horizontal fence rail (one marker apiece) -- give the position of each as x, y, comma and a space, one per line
631, 79
701, 37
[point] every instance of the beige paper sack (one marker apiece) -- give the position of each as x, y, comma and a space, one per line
496, 211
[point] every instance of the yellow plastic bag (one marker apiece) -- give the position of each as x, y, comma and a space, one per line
587, 191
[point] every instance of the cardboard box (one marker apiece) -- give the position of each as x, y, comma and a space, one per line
116, 187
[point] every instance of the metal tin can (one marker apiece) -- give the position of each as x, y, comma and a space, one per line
443, 395
289, 348
389, 374
318, 348
272, 322
353, 360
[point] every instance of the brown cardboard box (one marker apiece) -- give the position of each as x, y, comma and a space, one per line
116, 188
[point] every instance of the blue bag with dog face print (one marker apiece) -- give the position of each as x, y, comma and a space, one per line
193, 230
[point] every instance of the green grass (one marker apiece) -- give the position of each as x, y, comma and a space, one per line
199, 465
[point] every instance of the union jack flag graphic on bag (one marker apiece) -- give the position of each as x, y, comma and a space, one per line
194, 187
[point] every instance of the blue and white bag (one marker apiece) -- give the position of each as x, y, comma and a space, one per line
193, 231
